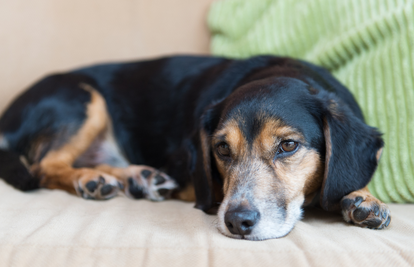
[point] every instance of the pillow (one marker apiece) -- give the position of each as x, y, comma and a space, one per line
367, 45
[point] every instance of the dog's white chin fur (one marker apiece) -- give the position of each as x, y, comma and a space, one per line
272, 224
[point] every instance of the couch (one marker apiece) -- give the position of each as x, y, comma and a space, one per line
53, 228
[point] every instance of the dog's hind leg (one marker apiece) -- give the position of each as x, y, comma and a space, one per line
138, 181
56, 171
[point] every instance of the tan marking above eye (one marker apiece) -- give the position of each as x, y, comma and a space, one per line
231, 135
273, 131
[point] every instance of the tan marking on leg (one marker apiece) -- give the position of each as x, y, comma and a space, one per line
187, 194
103, 150
121, 173
55, 169
364, 192
95, 123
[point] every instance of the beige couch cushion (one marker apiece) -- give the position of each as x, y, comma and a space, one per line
53, 228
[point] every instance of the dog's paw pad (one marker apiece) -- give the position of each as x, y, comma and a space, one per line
146, 173
95, 185
361, 214
160, 186
164, 192
367, 213
149, 183
134, 189
106, 189
159, 179
91, 186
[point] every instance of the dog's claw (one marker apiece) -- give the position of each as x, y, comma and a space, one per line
358, 201
388, 221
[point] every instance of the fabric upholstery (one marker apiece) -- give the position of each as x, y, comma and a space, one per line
52, 228
368, 45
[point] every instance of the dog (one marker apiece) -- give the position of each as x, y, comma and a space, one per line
253, 141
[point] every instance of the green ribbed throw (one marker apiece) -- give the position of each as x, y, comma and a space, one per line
367, 44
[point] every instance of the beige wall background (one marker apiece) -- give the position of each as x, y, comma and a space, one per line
38, 37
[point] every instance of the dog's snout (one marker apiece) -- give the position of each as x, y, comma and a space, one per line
241, 221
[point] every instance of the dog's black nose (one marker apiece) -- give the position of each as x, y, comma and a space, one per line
241, 221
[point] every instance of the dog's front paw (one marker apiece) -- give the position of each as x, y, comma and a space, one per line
365, 211
94, 184
147, 182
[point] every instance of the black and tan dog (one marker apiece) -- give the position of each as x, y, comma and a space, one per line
257, 138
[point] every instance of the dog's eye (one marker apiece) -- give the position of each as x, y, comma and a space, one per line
287, 146
223, 149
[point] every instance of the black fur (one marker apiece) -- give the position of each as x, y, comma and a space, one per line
159, 108
14, 172
353, 153
206, 179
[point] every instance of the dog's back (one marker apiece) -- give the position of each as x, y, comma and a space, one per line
154, 105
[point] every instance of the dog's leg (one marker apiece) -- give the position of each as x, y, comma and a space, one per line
363, 209
55, 169
142, 181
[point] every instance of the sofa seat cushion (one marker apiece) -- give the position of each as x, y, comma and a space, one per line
52, 228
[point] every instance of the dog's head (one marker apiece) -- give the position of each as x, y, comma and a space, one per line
273, 145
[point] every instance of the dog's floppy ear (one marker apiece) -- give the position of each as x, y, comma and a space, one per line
206, 179
353, 150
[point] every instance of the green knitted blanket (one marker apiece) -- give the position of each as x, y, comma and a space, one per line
366, 44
